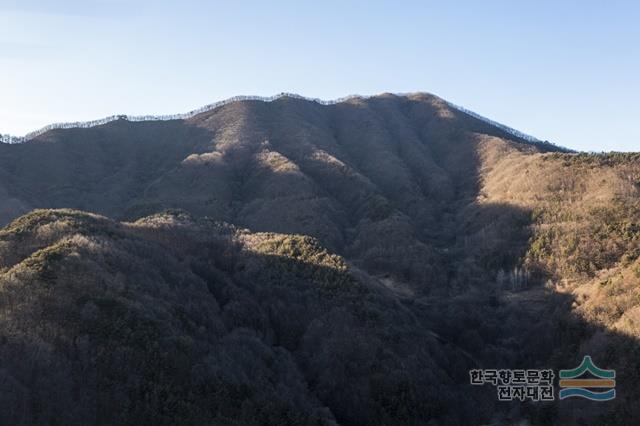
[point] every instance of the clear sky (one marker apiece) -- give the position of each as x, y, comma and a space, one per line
567, 71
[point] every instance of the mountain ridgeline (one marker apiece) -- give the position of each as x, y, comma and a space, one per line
290, 262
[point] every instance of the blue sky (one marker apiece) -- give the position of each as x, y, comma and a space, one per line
564, 71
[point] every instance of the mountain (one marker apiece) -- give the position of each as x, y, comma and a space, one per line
294, 262
365, 176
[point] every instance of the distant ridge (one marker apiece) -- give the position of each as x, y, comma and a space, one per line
9, 139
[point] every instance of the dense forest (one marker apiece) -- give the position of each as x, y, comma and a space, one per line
298, 263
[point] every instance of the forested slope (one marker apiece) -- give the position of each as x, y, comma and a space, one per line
391, 244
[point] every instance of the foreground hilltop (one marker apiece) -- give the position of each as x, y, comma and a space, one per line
175, 320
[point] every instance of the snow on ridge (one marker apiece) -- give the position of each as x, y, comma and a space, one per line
183, 116
8, 139
510, 130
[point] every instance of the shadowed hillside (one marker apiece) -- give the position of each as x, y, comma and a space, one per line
457, 246
174, 321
